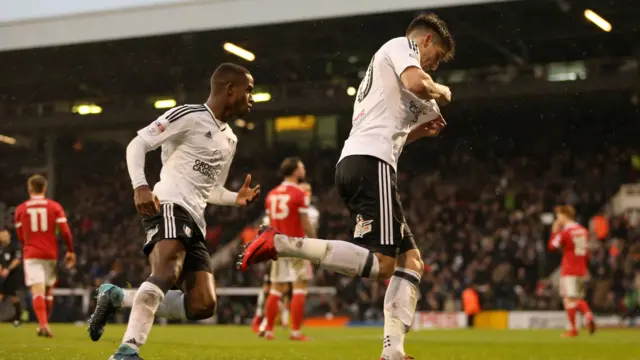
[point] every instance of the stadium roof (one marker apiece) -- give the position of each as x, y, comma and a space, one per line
511, 33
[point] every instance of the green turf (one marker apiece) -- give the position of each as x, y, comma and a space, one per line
238, 343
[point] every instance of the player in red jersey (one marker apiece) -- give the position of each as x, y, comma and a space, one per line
287, 206
574, 241
36, 221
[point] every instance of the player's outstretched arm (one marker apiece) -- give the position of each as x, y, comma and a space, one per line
245, 195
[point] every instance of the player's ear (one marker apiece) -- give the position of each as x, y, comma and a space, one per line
229, 89
428, 38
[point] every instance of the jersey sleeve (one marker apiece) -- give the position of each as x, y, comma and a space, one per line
59, 213
403, 53
163, 129
304, 204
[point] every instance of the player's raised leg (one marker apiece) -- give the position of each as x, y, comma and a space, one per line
335, 255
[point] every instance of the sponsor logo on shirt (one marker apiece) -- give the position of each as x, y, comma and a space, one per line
206, 169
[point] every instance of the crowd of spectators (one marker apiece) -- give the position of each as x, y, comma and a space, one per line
477, 214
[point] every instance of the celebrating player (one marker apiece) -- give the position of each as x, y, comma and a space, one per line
287, 207
397, 102
198, 147
573, 239
36, 222
10, 277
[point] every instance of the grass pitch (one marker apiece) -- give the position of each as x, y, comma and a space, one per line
239, 343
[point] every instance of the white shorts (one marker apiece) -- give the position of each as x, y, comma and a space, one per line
40, 271
572, 286
287, 270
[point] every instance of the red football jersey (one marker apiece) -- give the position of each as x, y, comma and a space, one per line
36, 222
574, 241
284, 205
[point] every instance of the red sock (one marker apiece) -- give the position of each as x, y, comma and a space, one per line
585, 309
49, 301
297, 309
40, 308
271, 309
571, 315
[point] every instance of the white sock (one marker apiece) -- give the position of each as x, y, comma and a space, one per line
146, 302
260, 304
399, 309
172, 307
263, 325
127, 300
339, 256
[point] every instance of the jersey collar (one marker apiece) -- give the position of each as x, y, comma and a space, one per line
222, 126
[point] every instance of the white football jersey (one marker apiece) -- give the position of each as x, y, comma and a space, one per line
197, 151
384, 111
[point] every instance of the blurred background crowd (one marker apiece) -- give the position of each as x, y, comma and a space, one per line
477, 213
543, 114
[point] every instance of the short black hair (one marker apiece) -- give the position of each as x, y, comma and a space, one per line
289, 166
431, 22
37, 183
227, 73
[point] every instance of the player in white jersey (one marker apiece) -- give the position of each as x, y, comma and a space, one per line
397, 102
198, 147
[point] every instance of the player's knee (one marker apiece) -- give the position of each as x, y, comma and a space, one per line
416, 265
413, 261
37, 289
202, 307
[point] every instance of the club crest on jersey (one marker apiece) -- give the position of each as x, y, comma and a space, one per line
187, 231
151, 232
363, 227
156, 128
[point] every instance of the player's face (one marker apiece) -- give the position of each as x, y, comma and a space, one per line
241, 98
431, 53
